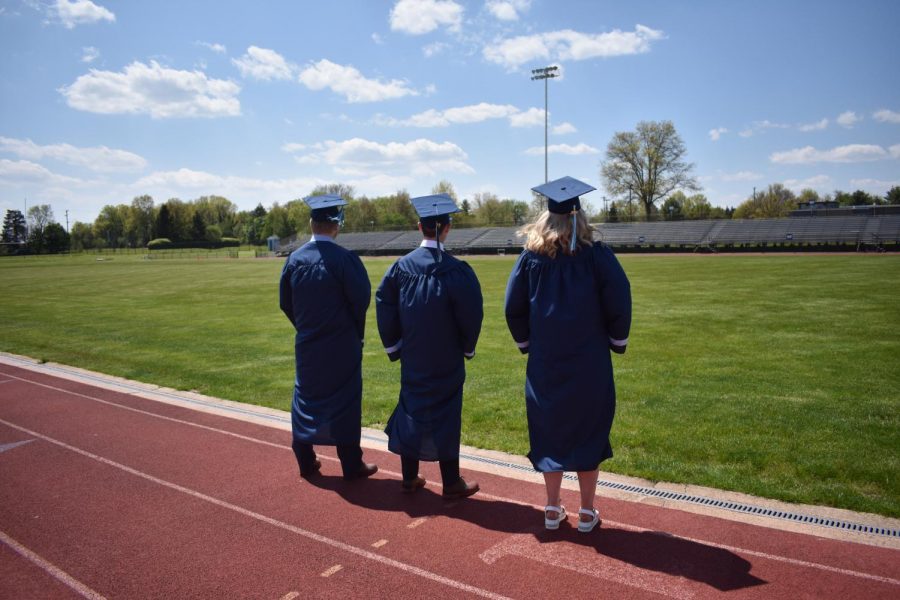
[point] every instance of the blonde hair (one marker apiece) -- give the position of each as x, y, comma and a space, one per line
552, 232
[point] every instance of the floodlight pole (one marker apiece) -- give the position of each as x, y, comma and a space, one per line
545, 73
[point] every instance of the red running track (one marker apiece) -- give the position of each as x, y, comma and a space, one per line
105, 494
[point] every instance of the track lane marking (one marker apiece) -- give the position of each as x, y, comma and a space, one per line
51, 569
405, 567
330, 571
416, 523
775, 557
379, 543
290, 596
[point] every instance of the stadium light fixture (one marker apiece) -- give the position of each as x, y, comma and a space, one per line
544, 73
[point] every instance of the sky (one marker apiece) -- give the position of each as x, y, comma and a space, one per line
102, 101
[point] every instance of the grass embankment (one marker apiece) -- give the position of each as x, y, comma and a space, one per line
771, 375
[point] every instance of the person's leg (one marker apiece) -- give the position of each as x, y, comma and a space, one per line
409, 467
454, 485
587, 484
553, 483
449, 472
352, 464
306, 458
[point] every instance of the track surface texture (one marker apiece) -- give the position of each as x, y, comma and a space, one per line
105, 494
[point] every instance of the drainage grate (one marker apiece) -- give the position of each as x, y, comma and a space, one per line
634, 489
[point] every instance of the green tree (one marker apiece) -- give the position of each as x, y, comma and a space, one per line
698, 207
776, 201
164, 224
673, 206
39, 216
893, 195
14, 227
647, 163
808, 195
56, 239
109, 226
198, 228
139, 222
81, 237
445, 187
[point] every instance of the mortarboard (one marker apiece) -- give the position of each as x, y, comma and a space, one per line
326, 208
434, 211
563, 198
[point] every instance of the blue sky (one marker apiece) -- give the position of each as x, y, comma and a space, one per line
102, 101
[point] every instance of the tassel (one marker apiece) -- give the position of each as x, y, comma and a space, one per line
437, 238
574, 236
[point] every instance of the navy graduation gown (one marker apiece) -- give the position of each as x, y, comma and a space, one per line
325, 293
429, 316
568, 313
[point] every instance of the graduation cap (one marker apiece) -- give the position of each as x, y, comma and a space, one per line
328, 207
434, 211
563, 198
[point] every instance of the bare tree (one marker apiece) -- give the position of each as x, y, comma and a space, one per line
648, 164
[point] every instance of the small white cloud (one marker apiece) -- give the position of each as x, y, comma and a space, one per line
715, 134
850, 153
848, 119
154, 90
570, 45
419, 157
741, 176
263, 64
874, 186
293, 147
563, 129
434, 49
894, 151
474, 113
217, 48
25, 171
377, 39
886, 116
351, 84
89, 54
563, 149
817, 126
818, 182
417, 17
507, 10
746, 133
529, 118
80, 12
98, 158
767, 124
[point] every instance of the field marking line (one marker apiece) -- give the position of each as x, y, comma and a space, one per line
51, 569
627, 526
379, 543
349, 548
417, 522
330, 571
290, 596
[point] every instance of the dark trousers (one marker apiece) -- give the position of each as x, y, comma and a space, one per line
350, 455
449, 470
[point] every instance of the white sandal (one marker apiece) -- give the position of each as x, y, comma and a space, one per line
588, 526
560, 516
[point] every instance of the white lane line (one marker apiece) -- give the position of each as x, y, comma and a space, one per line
775, 557
290, 596
331, 571
51, 569
11, 445
407, 568
379, 543
417, 522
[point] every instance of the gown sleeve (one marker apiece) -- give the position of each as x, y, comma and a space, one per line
615, 298
358, 291
518, 305
468, 308
285, 292
387, 314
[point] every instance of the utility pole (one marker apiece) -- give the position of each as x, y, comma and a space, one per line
545, 73
67, 220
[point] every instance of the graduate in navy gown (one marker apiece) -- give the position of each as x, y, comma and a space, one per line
325, 293
568, 304
429, 311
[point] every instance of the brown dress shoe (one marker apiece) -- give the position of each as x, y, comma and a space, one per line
460, 489
365, 470
411, 486
307, 473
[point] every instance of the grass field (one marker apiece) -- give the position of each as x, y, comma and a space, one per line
772, 375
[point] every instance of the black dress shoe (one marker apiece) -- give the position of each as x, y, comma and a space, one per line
365, 470
409, 487
307, 473
460, 489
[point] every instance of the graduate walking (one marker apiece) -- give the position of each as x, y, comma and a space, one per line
568, 304
325, 293
429, 311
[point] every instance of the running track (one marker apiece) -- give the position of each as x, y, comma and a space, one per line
106, 494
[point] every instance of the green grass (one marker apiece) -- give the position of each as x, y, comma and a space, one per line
772, 375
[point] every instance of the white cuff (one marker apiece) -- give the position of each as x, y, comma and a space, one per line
469, 354
615, 342
524, 344
394, 348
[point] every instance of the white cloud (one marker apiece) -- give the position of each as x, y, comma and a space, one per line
570, 45
434, 49
563, 129
100, 159
876, 186
817, 126
24, 171
293, 147
886, 116
474, 113
740, 176
715, 134
263, 64
850, 153
746, 133
767, 124
350, 83
155, 90
894, 151
529, 118
419, 157
563, 149
217, 48
89, 54
80, 12
417, 17
848, 119
377, 39
818, 182
507, 10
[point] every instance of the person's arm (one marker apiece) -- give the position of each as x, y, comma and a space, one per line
615, 298
468, 307
387, 314
517, 305
358, 291
285, 292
